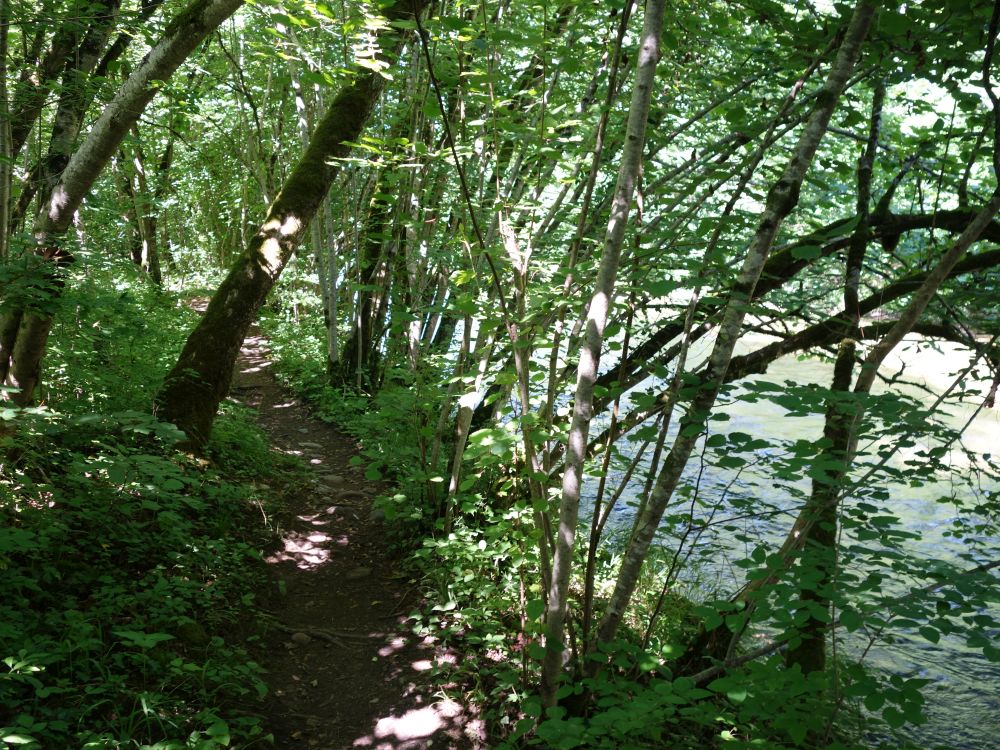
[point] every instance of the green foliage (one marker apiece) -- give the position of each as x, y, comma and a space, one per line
122, 566
523, 93
128, 569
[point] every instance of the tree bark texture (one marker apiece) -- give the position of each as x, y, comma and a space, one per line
590, 351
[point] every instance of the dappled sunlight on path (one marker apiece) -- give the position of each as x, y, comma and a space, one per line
344, 669
414, 728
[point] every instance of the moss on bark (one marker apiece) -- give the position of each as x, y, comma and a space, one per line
199, 381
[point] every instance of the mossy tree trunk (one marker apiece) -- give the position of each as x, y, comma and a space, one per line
5, 146
23, 355
200, 379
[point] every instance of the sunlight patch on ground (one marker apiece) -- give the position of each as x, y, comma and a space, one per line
422, 665
392, 647
256, 367
317, 519
414, 728
305, 550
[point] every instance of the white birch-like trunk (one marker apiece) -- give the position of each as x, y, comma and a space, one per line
590, 351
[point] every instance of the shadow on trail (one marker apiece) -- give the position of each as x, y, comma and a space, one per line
344, 669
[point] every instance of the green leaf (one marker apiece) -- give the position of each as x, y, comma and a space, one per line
658, 289
219, 732
874, 702
732, 462
893, 717
797, 732
18, 739
118, 473
913, 712
534, 609
738, 695
930, 634
806, 252
850, 619
141, 639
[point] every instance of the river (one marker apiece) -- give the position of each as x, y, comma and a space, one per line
963, 697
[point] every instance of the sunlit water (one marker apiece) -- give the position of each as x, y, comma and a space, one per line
963, 699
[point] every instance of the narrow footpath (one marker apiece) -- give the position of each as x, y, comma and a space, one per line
344, 668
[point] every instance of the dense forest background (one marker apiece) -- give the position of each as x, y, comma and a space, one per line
671, 330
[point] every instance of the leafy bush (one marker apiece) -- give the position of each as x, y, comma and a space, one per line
127, 568
122, 565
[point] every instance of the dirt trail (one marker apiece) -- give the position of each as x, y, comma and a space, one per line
344, 668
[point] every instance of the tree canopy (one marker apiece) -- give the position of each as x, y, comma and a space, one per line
671, 326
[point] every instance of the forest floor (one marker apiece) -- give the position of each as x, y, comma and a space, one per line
344, 668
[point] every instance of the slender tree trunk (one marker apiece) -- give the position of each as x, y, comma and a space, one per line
590, 351
481, 355
332, 310
148, 256
128, 194
553, 381
430, 328
781, 199
354, 359
462, 420
6, 152
200, 380
834, 462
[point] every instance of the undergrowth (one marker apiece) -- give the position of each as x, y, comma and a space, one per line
483, 602
127, 568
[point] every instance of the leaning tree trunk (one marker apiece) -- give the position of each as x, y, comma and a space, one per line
20, 361
781, 199
590, 351
834, 462
199, 381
